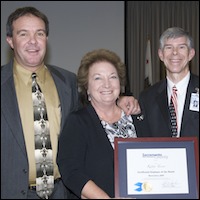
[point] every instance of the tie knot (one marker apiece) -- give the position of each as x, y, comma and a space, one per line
34, 75
174, 89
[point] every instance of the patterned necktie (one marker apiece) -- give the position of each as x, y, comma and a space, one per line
43, 150
173, 111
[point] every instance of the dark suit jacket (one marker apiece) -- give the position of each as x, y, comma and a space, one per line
154, 105
85, 153
14, 161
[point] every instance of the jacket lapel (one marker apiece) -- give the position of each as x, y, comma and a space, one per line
10, 111
187, 113
64, 93
163, 102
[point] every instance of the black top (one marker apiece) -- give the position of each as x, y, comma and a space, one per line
86, 156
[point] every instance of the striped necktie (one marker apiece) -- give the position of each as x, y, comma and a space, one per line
173, 112
43, 149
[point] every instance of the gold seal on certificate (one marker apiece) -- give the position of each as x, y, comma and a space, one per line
147, 187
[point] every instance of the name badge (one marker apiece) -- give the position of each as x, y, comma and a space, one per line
194, 102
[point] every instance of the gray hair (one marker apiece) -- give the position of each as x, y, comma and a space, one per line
176, 32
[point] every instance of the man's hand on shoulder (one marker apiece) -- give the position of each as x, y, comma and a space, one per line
129, 105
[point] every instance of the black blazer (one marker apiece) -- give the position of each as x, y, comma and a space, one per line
14, 160
85, 152
155, 112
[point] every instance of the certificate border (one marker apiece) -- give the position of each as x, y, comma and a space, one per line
120, 164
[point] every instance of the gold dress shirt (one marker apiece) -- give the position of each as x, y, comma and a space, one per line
23, 85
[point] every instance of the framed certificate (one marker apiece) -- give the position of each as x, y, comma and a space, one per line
156, 168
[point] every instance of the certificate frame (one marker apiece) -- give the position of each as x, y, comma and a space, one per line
190, 146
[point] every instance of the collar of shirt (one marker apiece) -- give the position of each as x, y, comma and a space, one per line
181, 86
25, 75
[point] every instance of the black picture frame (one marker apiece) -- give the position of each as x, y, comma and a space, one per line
189, 144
